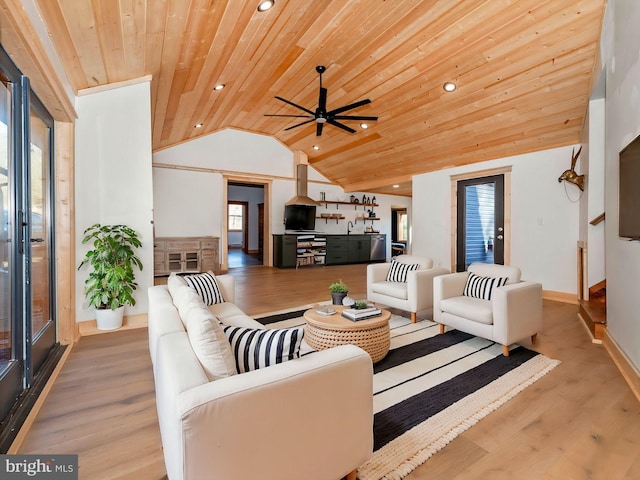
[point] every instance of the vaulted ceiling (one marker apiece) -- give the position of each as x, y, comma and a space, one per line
523, 70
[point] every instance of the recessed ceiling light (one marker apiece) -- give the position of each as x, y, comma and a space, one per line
199, 125
316, 147
449, 87
266, 5
220, 86
364, 126
396, 186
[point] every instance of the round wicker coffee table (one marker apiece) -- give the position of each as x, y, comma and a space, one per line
326, 331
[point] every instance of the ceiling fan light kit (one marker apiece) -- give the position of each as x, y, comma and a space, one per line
321, 116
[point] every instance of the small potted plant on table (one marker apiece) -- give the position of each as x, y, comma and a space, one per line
338, 290
111, 283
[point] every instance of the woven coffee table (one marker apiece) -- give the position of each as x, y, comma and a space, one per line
326, 331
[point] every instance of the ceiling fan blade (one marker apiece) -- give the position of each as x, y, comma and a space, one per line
319, 126
295, 105
349, 107
322, 100
353, 117
294, 116
300, 124
341, 125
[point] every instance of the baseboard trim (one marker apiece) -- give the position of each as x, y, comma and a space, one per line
627, 369
129, 322
560, 296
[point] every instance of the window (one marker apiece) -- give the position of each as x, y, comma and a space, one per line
402, 227
236, 216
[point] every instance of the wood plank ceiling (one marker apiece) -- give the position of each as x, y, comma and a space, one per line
523, 70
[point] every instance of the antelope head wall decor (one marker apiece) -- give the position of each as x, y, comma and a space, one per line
570, 175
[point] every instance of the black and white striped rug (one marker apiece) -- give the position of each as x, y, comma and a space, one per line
432, 387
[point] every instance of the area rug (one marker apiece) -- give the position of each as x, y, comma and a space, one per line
430, 388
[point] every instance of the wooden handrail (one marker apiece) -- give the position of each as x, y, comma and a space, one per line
598, 219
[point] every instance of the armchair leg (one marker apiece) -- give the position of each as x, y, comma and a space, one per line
414, 317
505, 350
351, 475
441, 328
534, 338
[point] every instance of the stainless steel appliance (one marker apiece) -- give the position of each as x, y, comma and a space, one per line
378, 247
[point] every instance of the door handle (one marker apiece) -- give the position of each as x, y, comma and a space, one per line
36, 240
499, 237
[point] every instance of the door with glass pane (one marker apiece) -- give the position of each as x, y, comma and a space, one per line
27, 313
12, 366
480, 221
38, 240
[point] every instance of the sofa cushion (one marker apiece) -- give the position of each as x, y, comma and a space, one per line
398, 271
209, 343
258, 348
174, 282
469, 308
184, 299
206, 286
390, 289
496, 270
482, 287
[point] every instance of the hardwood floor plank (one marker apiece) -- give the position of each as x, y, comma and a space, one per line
579, 421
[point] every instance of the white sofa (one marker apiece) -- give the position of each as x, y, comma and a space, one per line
310, 417
414, 295
513, 313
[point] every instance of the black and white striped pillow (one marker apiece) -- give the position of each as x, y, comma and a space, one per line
258, 348
206, 286
482, 287
398, 271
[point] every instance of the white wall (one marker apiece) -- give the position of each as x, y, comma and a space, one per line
191, 202
113, 177
621, 37
544, 218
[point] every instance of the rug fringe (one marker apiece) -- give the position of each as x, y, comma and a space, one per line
381, 466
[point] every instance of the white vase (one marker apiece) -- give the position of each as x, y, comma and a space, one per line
108, 319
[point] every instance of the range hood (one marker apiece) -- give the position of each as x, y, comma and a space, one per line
301, 197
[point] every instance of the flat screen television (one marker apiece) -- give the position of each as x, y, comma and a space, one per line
629, 191
300, 217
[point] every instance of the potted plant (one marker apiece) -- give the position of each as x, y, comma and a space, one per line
338, 291
111, 283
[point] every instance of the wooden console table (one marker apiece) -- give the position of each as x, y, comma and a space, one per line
185, 255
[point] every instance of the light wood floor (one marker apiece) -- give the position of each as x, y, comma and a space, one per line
581, 421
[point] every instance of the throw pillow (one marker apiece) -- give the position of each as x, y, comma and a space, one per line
206, 286
174, 282
259, 348
482, 287
398, 271
209, 343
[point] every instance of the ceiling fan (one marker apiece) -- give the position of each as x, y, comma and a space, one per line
321, 116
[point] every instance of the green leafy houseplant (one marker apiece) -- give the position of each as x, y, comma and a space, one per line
111, 282
338, 287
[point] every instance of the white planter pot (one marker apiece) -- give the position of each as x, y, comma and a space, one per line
108, 319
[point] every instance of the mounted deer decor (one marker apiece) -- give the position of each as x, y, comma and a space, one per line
570, 175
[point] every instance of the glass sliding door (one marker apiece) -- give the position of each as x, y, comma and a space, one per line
38, 259
12, 367
27, 308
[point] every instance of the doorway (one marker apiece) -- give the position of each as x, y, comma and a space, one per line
480, 221
245, 224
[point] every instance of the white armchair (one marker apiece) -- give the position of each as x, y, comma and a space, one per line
414, 295
514, 311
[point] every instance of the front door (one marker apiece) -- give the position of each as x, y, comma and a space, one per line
480, 221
